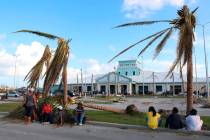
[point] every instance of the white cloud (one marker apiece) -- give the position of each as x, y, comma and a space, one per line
25, 57
164, 66
90, 66
142, 8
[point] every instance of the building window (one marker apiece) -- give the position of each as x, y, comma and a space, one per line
159, 88
134, 73
126, 73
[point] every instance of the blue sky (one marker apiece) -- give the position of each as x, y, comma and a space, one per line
89, 23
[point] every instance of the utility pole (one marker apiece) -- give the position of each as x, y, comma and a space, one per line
77, 87
196, 78
15, 71
142, 75
153, 79
81, 84
92, 86
173, 84
206, 60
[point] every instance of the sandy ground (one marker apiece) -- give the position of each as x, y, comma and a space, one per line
159, 103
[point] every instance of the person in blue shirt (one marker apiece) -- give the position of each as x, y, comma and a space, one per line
79, 113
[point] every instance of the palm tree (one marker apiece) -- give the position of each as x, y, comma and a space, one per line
185, 24
34, 74
58, 63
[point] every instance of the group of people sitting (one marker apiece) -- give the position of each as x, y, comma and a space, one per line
191, 122
174, 121
46, 114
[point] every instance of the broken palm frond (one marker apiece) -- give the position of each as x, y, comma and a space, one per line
153, 35
152, 41
39, 34
56, 65
35, 73
142, 23
162, 43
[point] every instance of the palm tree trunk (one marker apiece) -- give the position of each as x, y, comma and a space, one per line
106, 108
65, 86
189, 83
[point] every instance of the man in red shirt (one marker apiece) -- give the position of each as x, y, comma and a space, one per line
47, 113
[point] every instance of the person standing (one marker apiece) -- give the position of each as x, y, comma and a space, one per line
29, 104
174, 120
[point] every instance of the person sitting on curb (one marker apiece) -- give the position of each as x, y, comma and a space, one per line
47, 113
193, 121
152, 118
79, 114
60, 116
174, 120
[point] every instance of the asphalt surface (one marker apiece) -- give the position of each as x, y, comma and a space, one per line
18, 131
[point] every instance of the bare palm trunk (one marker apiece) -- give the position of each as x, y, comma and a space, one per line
189, 83
65, 86
181, 75
106, 108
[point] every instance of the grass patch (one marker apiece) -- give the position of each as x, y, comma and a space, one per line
206, 122
8, 107
105, 116
17, 111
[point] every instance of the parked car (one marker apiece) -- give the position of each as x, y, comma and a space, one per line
3, 96
13, 94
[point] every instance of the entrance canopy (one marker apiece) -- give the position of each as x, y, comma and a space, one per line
113, 78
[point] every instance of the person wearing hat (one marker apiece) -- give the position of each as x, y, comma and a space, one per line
29, 104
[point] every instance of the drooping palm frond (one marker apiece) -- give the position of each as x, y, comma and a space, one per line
193, 11
50, 36
152, 41
35, 73
142, 23
131, 46
162, 43
57, 63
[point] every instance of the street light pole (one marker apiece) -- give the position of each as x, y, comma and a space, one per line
15, 71
142, 75
205, 55
206, 61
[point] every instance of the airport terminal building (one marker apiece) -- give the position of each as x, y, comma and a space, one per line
129, 79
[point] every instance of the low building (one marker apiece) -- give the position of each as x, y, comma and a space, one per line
130, 79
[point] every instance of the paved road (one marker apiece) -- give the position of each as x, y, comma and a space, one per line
14, 131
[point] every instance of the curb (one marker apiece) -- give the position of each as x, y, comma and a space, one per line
139, 127
4, 113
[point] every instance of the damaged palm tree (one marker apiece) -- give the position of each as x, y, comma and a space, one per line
35, 73
185, 24
58, 63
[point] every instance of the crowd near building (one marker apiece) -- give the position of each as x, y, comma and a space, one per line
129, 79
